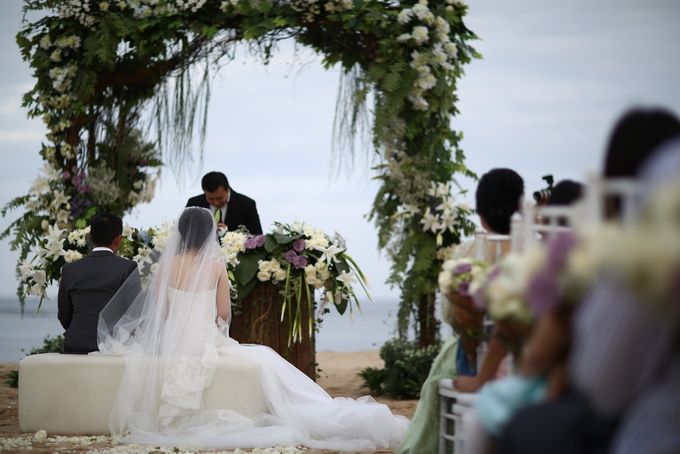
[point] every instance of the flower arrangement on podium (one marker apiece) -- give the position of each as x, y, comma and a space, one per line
298, 259
458, 281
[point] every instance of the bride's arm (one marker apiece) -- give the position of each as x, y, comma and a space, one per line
223, 300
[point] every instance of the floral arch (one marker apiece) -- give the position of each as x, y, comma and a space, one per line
98, 64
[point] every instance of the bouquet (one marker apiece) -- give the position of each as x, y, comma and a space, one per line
458, 280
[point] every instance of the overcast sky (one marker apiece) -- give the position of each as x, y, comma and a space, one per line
554, 77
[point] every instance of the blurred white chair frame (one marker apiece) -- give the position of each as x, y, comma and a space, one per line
453, 404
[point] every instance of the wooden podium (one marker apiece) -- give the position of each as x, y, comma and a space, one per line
257, 320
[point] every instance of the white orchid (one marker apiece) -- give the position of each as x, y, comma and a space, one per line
430, 221
346, 278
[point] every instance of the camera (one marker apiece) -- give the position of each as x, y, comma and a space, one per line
543, 195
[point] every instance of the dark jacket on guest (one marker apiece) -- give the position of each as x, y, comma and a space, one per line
241, 210
86, 287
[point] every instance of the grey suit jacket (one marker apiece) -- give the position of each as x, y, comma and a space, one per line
86, 287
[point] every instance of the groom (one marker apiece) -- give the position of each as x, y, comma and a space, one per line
88, 284
229, 208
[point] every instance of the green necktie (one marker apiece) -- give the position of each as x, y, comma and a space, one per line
218, 216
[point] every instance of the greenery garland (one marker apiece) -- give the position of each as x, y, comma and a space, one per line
98, 64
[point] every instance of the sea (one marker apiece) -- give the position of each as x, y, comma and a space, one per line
365, 330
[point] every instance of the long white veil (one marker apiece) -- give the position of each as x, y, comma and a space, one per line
162, 329
171, 338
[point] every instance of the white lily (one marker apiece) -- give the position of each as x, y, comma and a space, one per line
346, 278
329, 253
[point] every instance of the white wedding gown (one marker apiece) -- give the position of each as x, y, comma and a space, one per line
300, 411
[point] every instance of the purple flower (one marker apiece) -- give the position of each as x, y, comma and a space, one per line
299, 262
77, 179
290, 256
463, 288
253, 242
462, 268
478, 297
542, 293
559, 248
83, 188
66, 175
299, 245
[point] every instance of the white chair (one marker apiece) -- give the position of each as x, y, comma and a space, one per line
452, 407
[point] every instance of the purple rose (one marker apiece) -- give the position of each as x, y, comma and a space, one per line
259, 240
290, 256
559, 248
299, 262
66, 175
542, 293
249, 243
77, 180
462, 268
83, 188
463, 288
299, 245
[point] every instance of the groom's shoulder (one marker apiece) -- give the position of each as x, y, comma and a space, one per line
197, 201
241, 198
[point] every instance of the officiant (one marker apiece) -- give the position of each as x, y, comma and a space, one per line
229, 208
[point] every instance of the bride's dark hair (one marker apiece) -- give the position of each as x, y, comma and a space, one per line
195, 226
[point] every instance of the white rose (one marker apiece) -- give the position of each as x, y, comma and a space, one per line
263, 276
280, 274
311, 280
264, 266
310, 271
274, 265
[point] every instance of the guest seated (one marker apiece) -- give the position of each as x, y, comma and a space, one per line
497, 198
88, 284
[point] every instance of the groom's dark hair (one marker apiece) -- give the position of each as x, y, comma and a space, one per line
104, 228
213, 180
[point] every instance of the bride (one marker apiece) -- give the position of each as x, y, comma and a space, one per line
172, 335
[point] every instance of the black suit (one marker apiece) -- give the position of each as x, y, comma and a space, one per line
86, 287
241, 210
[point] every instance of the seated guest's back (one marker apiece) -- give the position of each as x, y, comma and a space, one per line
88, 284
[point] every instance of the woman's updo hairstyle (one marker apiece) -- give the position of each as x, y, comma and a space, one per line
196, 226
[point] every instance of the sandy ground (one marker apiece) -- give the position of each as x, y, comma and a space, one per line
338, 377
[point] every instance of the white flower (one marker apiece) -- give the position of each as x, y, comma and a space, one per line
40, 435
56, 56
104, 6
72, 255
430, 221
403, 37
310, 271
280, 274
263, 276
45, 41
274, 265
451, 50
329, 253
264, 266
346, 278
40, 280
25, 270
404, 16
420, 34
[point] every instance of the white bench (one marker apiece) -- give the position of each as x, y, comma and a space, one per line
74, 394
